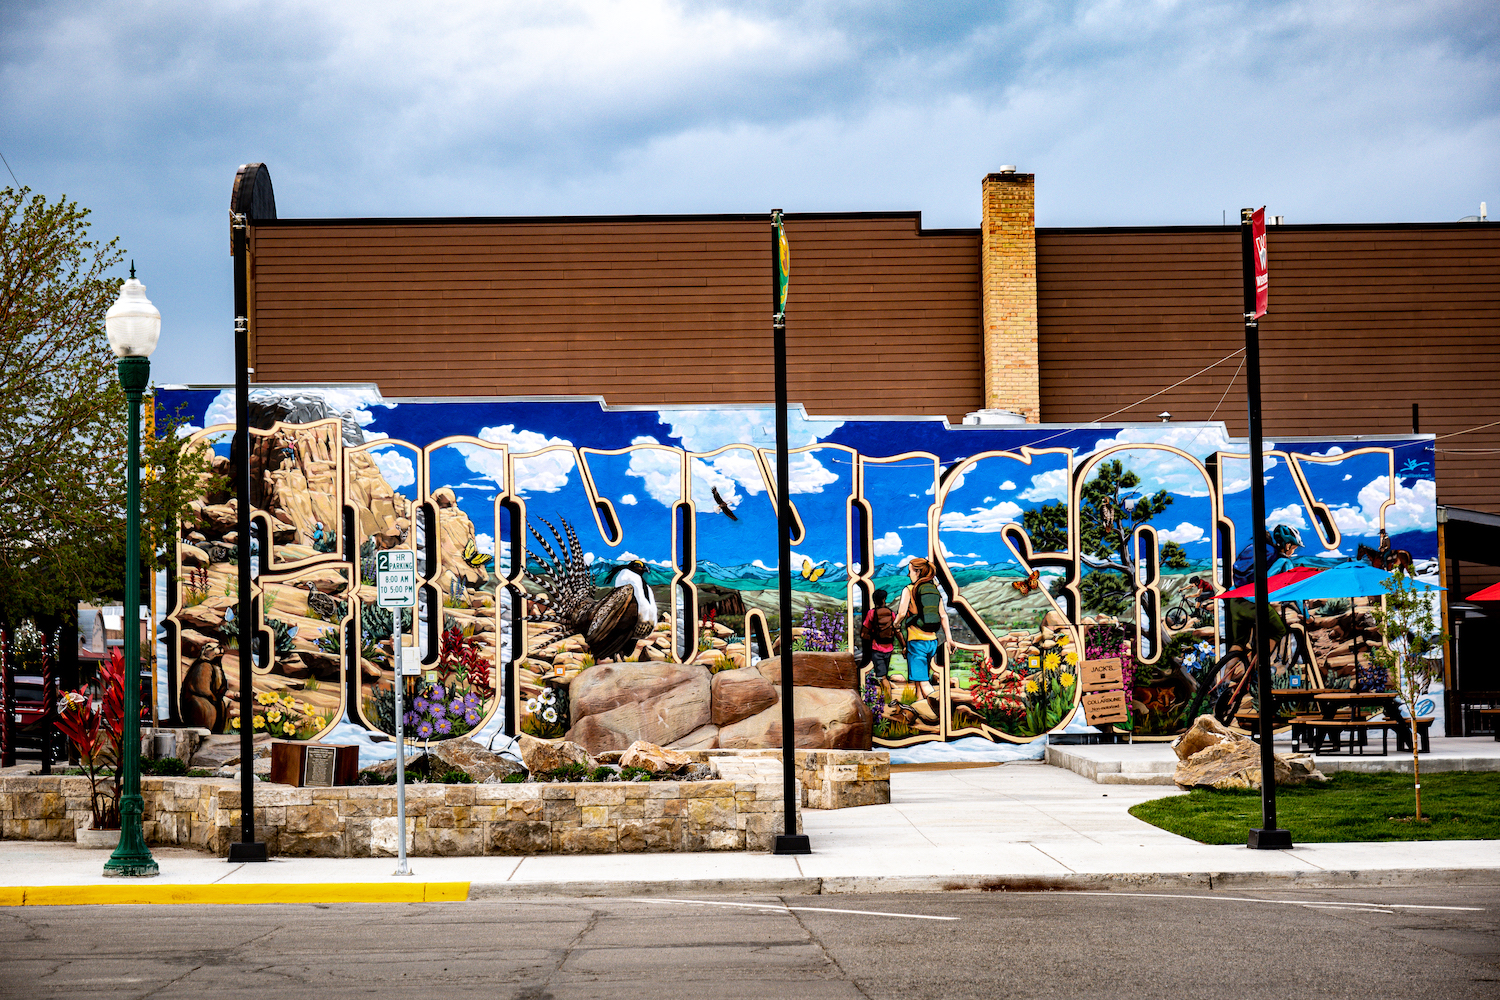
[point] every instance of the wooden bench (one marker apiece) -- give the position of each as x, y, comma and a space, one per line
1315, 730
1495, 722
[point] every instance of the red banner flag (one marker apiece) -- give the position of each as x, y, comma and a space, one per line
1262, 272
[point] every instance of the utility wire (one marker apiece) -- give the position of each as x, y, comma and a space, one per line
1175, 385
12, 172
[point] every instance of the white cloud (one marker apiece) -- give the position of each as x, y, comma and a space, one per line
1182, 534
983, 519
1414, 508
1008, 486
659, 469
707, 430
1334, 450
395, 466
889, 545
1290, 515
1049, 485
1348, 476
544, 473
484, 542
629, 500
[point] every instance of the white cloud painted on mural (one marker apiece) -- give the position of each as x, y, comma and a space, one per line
1183, 534
889, 545
1049, 485
1008, 485
659, 471
396, 467
706, 430
484, 542
1290, 515
1163, 470
1414, 508
629, 500
984, 520
355, 402
545, 473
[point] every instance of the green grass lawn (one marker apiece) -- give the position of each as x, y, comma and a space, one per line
1459, 805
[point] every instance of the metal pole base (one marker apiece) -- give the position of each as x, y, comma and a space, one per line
241, 851
1270, 840
131, 868
792, 843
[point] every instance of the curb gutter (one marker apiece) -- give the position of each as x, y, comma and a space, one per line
240, 894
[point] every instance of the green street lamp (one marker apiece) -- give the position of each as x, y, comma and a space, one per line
132, 326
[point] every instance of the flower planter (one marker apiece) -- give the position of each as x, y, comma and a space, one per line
97, 839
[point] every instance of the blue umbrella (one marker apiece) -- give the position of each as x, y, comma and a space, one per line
1350, 579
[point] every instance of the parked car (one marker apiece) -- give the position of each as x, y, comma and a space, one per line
35, 736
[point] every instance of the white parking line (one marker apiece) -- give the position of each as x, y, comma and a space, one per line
1251, 899
781, 908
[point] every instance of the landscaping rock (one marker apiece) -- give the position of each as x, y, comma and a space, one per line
815, 669
1205, 732
1235, 763
541, 756
702, 738
739, 694
609, 713
657, 760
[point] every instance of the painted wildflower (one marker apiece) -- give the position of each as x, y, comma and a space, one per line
443, 727
550, 714
456, 706
532, 706
424, 730
471, 716
1050, 661
419, 704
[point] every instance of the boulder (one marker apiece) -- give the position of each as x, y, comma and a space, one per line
610, 685
193, 556
814, 669
455, 755
196, 645
1235, 763
657, 760
541, 756
1205, 732
739, 694
763, 730
843, 719
614, 704
702, 738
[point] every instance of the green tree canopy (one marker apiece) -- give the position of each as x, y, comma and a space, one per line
61, 407
62, 419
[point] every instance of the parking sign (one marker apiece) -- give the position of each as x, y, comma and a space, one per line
396, 578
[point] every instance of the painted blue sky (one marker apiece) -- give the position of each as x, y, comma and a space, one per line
732, 450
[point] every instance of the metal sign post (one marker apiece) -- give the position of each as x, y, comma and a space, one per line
396, 589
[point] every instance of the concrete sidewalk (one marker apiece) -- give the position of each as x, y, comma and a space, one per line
1019, 825
1153, 763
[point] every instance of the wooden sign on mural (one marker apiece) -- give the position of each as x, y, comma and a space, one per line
1101, 675
1108, 707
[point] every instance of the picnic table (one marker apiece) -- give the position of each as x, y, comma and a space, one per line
1330, 724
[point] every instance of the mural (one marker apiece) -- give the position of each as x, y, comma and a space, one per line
559, 540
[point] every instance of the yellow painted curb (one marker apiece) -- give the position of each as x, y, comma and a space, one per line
238, 894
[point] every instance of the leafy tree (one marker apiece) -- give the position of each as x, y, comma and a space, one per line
1110, 509
61, 407
1047, 526
1407, 625
1173, 556
62, 418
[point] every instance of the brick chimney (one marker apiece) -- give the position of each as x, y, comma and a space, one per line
1008, 275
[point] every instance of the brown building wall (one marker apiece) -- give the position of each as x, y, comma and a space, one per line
1364, 321
882, 317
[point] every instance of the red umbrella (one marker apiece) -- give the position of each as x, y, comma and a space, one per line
1273, 583
1490, 593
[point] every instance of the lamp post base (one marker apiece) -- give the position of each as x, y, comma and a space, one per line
131, 868
241, 851
1270, 840
792, 843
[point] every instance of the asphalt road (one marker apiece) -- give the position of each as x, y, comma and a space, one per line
1438, 942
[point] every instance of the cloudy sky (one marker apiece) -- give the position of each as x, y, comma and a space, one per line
1144, 112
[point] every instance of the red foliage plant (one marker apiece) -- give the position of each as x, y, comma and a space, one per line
95, 730
461, 655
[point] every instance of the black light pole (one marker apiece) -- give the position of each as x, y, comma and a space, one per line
1267, 836
248, 848
790, 842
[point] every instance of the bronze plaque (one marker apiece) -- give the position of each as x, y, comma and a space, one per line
318, 766
1106, 708
1101, 675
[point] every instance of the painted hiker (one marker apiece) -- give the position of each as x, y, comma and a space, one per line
878, 634
921, 617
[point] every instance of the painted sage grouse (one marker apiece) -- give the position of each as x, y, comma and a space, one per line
611, 624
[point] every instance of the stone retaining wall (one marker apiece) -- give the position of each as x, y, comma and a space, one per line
442, 820
830, 779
